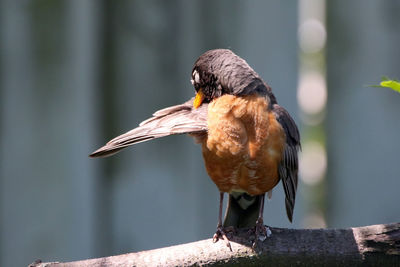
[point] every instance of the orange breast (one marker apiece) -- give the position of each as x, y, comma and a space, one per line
244, 144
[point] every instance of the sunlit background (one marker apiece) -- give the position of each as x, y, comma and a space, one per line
74, 74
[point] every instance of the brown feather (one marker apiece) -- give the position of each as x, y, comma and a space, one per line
179, 119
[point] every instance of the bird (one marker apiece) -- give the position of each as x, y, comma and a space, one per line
249, 142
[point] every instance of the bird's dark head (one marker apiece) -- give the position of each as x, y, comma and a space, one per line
220, 71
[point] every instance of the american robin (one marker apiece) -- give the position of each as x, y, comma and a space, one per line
249, 142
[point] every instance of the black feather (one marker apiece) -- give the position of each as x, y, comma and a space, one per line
288, 168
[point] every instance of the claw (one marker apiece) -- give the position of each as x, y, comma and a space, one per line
220, 233
261, 232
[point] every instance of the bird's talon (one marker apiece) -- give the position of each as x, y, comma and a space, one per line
220, 233
215, 238
261, 232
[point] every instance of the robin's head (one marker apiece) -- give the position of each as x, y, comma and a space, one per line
220, 71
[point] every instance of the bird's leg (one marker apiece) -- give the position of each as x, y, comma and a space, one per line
220, 233
261, 231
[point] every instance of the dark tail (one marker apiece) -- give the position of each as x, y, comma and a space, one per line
242, 210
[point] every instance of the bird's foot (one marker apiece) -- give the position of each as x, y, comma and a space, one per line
220, 234
261, 232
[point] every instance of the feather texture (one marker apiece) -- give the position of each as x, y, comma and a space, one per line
288, 168
179, 119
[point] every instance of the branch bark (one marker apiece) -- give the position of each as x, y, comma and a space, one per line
377, 245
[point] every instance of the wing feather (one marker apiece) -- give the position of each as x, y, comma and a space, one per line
288, 168
179, 119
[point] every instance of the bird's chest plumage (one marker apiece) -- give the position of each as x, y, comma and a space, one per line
244, 144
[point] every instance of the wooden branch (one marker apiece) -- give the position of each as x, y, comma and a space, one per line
377, 245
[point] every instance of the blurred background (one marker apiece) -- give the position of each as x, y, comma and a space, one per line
74, 74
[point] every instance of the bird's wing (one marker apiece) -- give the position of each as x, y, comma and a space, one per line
179, 119
288, 167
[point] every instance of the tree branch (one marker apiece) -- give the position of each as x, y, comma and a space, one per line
372, 245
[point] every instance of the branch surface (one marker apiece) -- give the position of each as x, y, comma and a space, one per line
372, 245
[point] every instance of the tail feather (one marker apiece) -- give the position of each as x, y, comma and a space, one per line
242, 210
180, 119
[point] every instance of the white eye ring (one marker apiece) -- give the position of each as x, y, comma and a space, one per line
196, 76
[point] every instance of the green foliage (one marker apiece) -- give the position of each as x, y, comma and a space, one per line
386, 82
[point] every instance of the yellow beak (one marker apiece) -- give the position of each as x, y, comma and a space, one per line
198, 99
